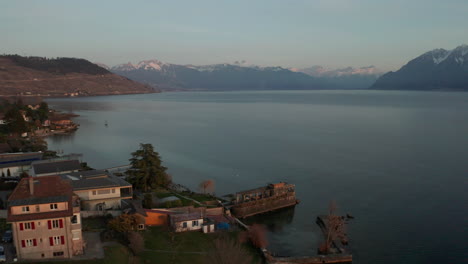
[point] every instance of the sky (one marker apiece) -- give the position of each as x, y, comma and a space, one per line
288, 33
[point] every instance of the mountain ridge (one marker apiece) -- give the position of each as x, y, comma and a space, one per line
438, 69
237, 76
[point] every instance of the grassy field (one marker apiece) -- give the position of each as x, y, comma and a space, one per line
117, 254
163, 246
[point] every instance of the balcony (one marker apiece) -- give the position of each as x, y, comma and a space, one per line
126, 192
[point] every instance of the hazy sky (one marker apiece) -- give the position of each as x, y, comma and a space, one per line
295, 33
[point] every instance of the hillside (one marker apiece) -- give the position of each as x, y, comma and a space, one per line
438, 69
61, 77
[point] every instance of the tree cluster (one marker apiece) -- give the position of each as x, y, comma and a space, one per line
14, 119
124, 223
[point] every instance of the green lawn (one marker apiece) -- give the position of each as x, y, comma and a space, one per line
117, 254
186, 247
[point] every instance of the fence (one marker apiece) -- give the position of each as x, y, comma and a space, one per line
86, 214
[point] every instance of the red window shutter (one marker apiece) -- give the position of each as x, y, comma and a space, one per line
62, 238
23, 244
51, 240
34, 242
49, 223
61, 223
21, 227
32, 225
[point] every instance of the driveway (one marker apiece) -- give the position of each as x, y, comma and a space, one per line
93, 249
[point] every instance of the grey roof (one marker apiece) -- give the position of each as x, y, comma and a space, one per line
56, 166
93, 179
185, 217
39, 200
19, 159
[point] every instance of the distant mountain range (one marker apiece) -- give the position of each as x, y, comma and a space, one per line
438, 69
61, 77
238, 76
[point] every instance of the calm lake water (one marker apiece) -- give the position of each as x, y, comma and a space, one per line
397, 161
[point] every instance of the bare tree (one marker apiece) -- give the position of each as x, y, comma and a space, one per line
136, 242
228, 251
257, 235
207, 186
335, 228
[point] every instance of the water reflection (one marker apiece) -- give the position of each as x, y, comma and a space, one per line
274, 221
62, 138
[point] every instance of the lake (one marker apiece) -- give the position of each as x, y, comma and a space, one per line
397, 161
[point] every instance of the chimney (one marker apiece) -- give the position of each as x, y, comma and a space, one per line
31, 185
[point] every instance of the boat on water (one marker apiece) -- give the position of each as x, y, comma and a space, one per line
264, 199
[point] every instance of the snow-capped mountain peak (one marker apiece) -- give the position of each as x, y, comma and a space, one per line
458, 54
124, 67
320, 71
150, 65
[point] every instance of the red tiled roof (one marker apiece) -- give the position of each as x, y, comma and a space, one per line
46, 189
45, 186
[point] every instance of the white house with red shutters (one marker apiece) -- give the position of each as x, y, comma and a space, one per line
45, 217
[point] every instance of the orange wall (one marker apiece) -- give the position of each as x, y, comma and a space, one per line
156, 219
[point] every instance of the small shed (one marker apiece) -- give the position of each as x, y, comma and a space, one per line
208, 226
186, 222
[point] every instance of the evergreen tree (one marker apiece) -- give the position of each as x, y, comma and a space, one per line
146, 170
15, 121
43, 111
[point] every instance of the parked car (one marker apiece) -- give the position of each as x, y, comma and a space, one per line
2, 254
8, 236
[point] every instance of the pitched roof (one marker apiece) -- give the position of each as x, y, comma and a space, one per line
56, 166
185, 217
19, 159
93, 179
47, 189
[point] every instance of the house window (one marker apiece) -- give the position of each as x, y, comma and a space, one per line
195, 223
55, 223
57, 240
58, 254
29, 243
37, 208
53, 207
107, 191
184, 224
27, 225
141, 226
113, 190
94, 192
74, 219
25, 209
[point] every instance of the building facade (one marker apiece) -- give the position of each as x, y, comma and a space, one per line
186, 222
45, 217
99, 190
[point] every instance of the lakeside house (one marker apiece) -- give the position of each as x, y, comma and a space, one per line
54, 167
45, 217
99, 190
13, 164
186, 221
